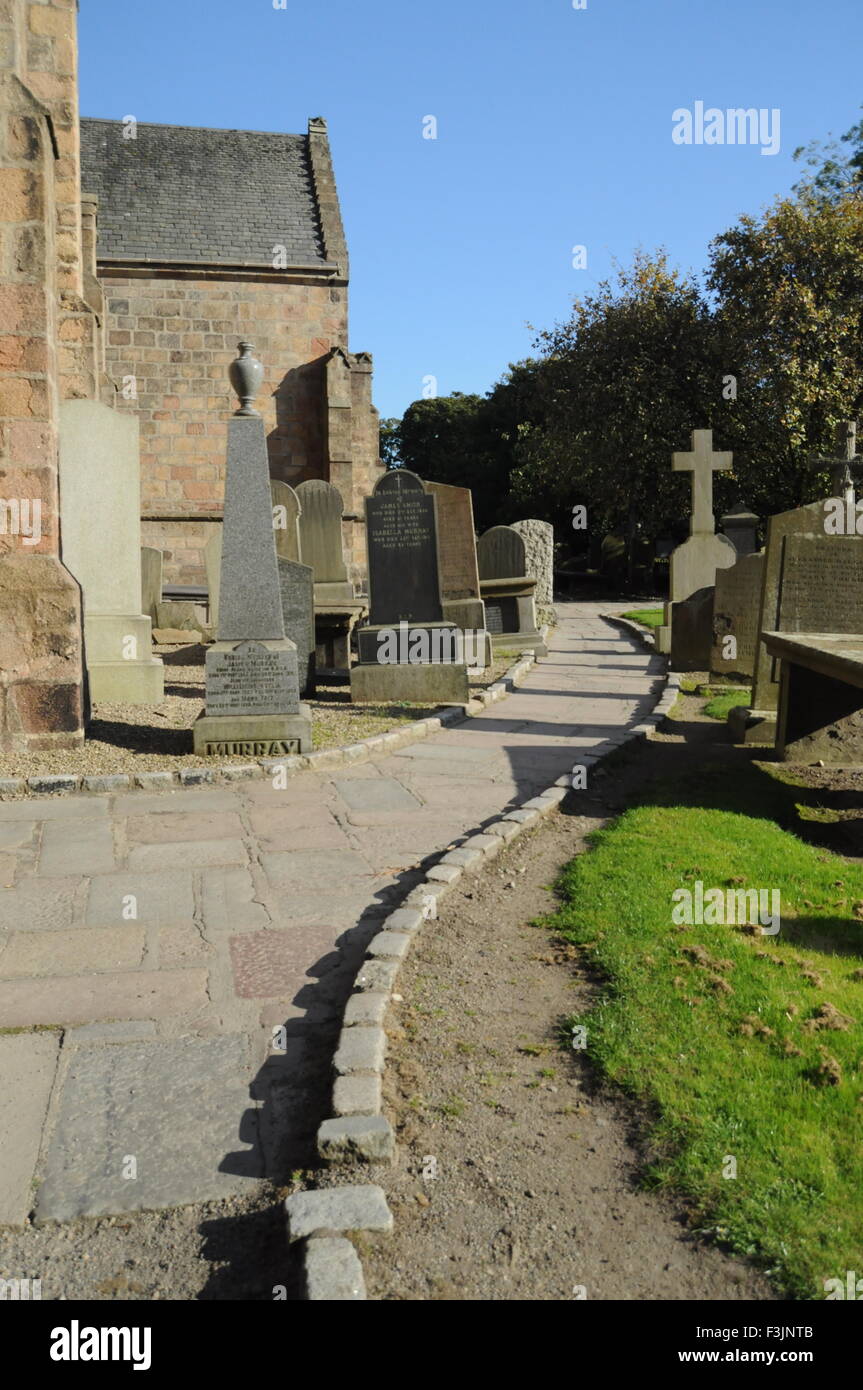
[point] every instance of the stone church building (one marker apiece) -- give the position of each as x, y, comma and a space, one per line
206, 237
131, 285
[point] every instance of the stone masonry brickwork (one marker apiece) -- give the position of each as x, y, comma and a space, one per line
49, 350
189, 220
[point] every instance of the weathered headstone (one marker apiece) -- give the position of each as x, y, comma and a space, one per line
252, 699
538, 537
151, 581
810, 584
694, 564
286, 516
101, 541
404, 596
336, 608
736, 611
298, 609
740, 525
508, 591
692, 631
459, 573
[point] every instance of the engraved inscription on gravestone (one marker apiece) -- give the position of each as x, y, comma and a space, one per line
250, 679
402, 550
821, 586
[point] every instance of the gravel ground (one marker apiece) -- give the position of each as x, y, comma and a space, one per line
143, 738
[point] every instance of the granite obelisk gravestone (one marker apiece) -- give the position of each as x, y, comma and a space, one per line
252, 700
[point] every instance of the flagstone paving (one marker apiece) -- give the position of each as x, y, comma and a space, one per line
151, 943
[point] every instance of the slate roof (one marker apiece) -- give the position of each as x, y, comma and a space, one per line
188, 194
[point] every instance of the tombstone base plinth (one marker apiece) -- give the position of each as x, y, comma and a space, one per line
752, 725
662, 637
469, 615
386, 672
334, 624
520, 642
253, 735
115, 676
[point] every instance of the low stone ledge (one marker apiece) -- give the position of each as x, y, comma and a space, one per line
522, 817
62, 782
360, 1049
391, 945
107, 782
337, 1209
444, 873
376, 975
407, 919
503, 829
196, 776
368, 1138
469, 859
357, 1094
154, 781
332, 1272
368, 1007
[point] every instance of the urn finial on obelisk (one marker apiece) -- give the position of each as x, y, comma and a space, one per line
246, 374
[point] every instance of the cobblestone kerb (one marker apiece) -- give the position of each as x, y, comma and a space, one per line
46, 784
358, 1128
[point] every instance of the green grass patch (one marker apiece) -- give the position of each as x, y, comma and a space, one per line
648, 617
732, 1051
719, 706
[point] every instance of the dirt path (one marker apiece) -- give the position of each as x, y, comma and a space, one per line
517, 1171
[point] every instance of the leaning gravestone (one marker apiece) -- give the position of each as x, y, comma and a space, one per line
508, 591
538, 537
336, 609
100, 513
405, 599
459, 573
736, 609
252, 685
693, 564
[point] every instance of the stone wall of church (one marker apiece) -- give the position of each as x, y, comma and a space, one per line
168, 344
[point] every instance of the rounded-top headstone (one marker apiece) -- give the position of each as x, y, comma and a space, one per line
398, 480
500, 554
246, 374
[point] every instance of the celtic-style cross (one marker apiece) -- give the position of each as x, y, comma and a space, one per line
702, 463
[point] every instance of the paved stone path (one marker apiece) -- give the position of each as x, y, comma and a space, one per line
150, 943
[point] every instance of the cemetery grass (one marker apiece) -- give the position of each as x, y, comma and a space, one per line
648, 617
744, 1046
721, 705
603, 1167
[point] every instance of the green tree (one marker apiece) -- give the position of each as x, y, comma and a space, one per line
789, 317
624, 381
390, 442
834, 172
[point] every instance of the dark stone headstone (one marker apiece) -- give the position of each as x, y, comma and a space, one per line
692, 632
401, 535
298, 609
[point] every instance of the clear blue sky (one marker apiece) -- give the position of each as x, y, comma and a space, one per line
554, 130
